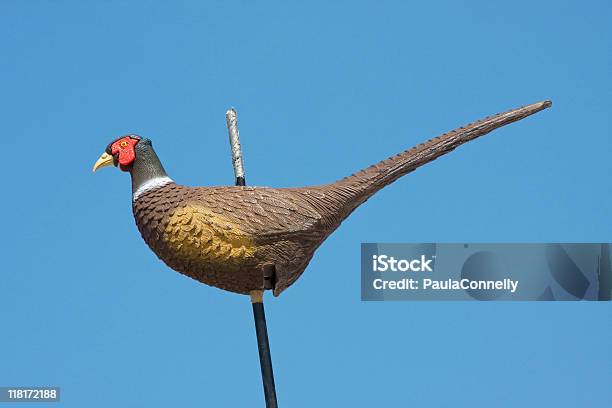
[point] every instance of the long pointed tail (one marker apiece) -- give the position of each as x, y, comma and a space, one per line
357, 188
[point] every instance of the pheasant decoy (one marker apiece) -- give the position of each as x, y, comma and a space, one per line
229, 236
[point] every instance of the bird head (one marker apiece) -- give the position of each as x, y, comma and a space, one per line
119, 153
134, 154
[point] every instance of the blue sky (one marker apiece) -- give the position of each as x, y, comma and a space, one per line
322, 89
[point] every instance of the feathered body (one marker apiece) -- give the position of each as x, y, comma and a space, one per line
223, 236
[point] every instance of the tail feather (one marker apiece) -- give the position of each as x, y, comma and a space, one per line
363, 184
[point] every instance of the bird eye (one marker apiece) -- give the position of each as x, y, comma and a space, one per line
123, 144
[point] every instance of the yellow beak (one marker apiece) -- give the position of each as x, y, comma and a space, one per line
104, 160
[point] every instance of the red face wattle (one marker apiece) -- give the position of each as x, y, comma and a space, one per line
120, 153
124, 147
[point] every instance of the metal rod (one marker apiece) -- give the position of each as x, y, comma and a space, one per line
231, 117
259, 313
265, 359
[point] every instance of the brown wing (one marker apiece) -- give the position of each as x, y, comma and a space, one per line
260, 212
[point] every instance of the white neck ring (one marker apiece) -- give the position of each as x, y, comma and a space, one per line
149, 185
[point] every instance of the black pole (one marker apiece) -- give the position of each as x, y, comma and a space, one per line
259, 313
265, 359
